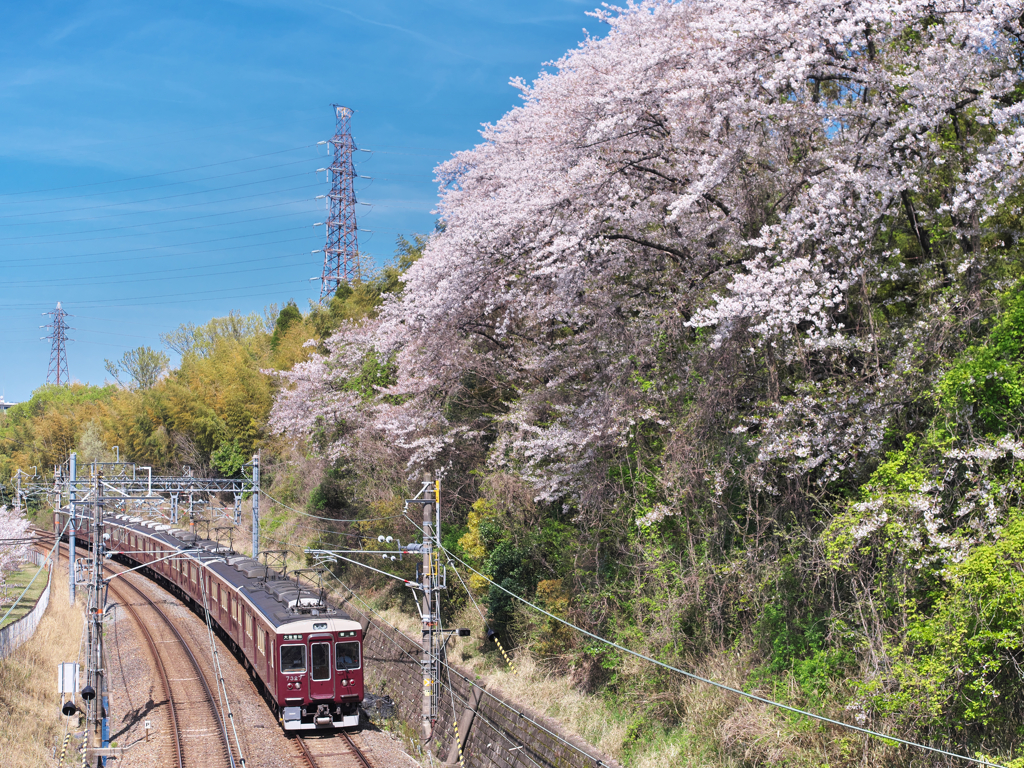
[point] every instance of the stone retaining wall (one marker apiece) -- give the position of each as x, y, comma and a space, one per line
503, 734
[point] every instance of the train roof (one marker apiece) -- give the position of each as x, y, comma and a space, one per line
281, 599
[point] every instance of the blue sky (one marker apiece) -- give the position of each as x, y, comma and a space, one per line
158, 159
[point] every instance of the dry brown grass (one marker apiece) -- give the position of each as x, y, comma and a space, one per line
30, 721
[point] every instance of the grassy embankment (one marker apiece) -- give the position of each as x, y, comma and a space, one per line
16, 582
30, 721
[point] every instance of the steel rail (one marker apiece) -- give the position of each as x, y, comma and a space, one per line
154, 650
192, 659
355, 751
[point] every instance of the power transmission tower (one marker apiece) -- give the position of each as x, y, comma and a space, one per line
341, 251
57, 373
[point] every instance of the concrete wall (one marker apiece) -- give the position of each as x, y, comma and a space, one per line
503, 734
16, 633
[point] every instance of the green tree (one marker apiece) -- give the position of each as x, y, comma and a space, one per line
138, 368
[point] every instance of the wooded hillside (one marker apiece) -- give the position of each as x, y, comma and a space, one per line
718, 346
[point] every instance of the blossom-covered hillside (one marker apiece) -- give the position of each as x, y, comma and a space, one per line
718, 345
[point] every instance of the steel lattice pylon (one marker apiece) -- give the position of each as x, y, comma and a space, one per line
57, 373
341, 252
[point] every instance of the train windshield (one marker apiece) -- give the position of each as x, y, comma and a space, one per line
347, 656
321, 660
293, 658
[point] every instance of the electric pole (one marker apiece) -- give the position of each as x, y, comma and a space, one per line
431, 581
428, 617
73, 476
95, 692
256, 505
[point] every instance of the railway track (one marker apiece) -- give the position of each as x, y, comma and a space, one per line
198, 736
339, 750
188, 698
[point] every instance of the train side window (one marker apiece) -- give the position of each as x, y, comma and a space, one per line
346, 656
271, 654
261, 642
248, 625
293, 658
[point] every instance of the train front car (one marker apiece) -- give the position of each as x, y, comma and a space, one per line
320, 675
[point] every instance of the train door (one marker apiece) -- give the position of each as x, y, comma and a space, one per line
321, 677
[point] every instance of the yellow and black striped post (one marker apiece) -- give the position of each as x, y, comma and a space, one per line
64, 749
507, 659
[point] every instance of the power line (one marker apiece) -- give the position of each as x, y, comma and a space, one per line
159, 186
155, 199
105, 279
723, 686
173, 208
77, 260
158, 223
108, 303
161, 173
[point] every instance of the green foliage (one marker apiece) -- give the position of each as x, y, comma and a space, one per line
228, 459
987, 381
959, 660
362, 298
328, 498
140, 368
285, 320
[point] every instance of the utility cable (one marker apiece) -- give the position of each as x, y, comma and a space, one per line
155, 199
162, 209
505, 704
222, 690
117, 647
78, 259
329, 519
723, 686
159, 186
161, 173
160, 223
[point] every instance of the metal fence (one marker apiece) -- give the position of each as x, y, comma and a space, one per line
14, 634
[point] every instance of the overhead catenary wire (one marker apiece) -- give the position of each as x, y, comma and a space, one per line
504, 704
723, 686
487, 693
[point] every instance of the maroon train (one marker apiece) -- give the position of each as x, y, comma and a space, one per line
306, 654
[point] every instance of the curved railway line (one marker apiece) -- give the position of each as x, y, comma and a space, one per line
198, 736
192, 706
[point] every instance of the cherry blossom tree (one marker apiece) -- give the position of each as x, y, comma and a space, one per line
13, 529
771, 172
